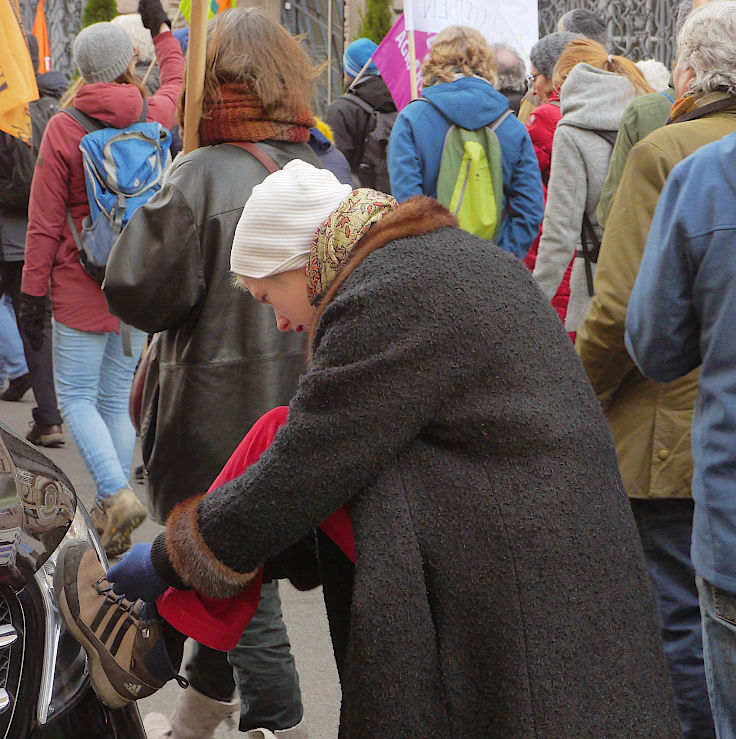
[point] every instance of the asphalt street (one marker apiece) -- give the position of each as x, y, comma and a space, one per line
304, 613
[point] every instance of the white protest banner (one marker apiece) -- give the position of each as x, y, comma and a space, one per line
513, 22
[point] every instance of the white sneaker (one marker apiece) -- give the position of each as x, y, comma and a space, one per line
157, 726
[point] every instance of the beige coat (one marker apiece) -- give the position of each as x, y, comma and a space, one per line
650, 422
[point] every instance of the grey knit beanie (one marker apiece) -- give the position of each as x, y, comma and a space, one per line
547, 51
102, 52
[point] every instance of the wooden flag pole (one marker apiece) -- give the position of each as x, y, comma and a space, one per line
412, 66
195, 74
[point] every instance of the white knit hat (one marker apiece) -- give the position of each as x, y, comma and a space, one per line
279, 220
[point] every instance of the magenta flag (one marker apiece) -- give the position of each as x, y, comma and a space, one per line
392, 60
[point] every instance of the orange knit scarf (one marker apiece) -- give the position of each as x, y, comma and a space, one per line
240, 116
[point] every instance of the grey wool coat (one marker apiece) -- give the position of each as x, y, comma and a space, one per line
499, 588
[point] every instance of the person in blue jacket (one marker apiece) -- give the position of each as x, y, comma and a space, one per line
681, 316
458, 78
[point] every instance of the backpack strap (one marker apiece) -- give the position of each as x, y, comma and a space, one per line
589, 255
90, 124
258, 153
353, 98
493, 125
371, 112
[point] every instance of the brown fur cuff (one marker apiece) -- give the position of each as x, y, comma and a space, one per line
193, 560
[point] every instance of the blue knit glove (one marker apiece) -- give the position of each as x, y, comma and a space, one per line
134, 576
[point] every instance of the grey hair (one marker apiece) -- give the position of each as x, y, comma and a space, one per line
683, 11
510, 76
707, 45
585, 23
545, 53
139, 35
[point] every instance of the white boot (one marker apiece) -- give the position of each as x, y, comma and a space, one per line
196, 716
295, 732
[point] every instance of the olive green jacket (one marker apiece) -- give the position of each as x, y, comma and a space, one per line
643, 115
650, 422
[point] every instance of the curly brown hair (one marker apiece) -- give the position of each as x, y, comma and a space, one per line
587, 51
459, 50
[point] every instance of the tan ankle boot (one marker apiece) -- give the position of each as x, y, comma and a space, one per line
196, 716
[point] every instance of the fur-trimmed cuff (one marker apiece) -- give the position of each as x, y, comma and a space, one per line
193, 560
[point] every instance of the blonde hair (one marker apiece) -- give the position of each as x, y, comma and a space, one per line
245, 46
587, 51
459, 50
126, 78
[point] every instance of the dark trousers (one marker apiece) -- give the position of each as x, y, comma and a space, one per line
665, 528
263, 666
40, 365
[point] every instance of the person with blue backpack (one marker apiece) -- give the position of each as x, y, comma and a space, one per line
458, 79
79, 203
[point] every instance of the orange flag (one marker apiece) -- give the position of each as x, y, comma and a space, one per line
41, 32
17, 78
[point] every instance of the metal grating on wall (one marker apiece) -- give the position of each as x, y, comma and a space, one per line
638, 29
310, 18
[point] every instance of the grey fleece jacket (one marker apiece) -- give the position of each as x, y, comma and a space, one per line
590, 100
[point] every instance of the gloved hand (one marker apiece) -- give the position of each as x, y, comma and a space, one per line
153, 15
134, 576
31, 318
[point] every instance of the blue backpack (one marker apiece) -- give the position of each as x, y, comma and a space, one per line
123, 169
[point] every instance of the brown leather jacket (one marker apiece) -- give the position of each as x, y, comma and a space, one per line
221, 362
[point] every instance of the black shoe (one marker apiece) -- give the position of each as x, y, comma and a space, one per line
17, 388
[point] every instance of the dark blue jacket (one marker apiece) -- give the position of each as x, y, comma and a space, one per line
415, 149
681, 315
330, 156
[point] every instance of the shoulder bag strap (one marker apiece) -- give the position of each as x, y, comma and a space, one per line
258, 153
704, 110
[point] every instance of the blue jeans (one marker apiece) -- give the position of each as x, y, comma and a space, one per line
718, 611
262, 665
12, 357
93, 379
665, 529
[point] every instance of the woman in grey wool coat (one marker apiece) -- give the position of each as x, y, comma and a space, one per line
498, 588
595, 89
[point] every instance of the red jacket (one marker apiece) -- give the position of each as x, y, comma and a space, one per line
219, 622
58, 183
541, 125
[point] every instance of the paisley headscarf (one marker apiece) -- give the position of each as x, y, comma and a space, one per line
340, 232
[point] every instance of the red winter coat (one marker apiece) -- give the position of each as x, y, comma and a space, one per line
58, 183
541, 126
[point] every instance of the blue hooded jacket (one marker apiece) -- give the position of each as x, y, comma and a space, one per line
415, 150
680, 316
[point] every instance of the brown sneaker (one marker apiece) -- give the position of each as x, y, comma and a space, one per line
48, 436
118, 515
127, 655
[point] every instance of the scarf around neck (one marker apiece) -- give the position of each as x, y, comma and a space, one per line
340, 232
240, 116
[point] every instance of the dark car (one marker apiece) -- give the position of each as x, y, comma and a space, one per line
45, 691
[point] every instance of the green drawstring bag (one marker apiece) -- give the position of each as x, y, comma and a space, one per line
470, 181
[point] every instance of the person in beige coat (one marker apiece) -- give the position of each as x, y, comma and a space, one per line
650, 422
